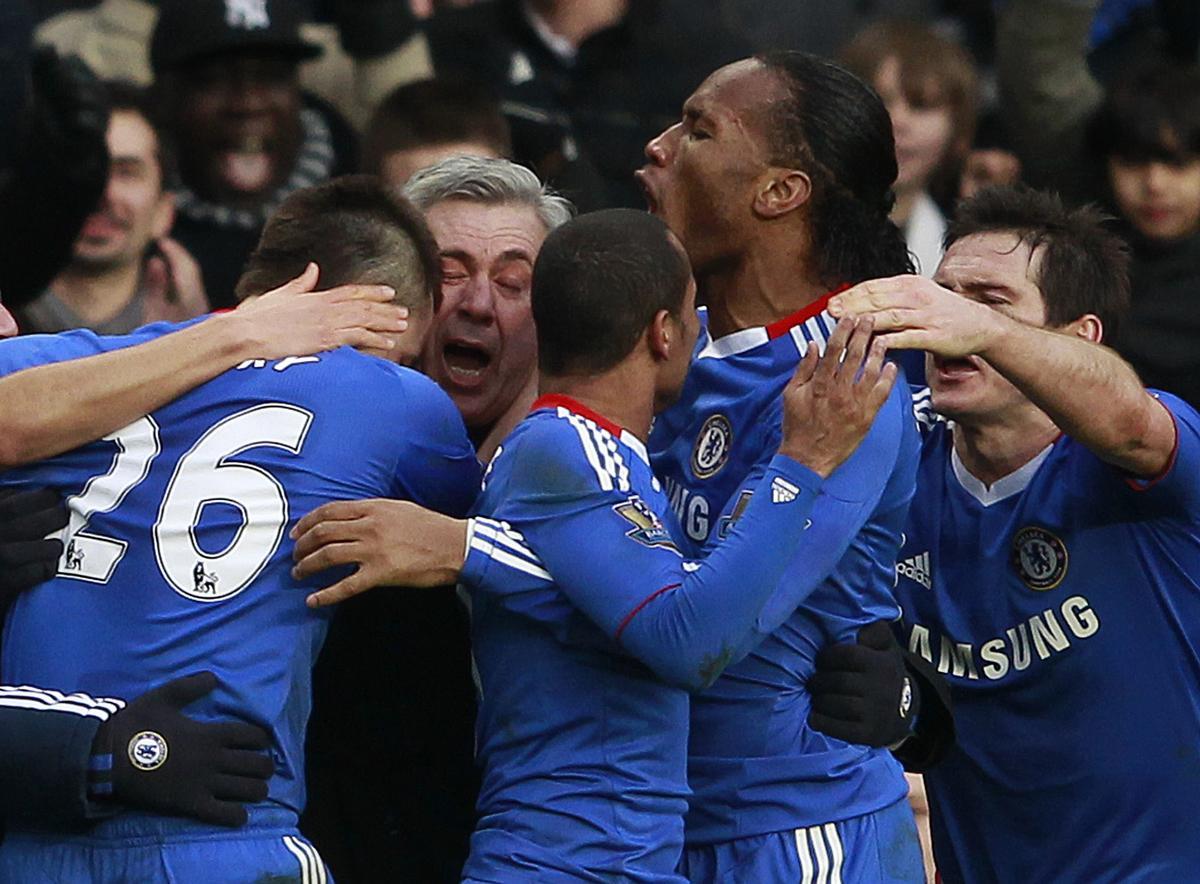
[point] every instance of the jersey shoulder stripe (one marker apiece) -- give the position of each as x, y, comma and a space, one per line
601, 450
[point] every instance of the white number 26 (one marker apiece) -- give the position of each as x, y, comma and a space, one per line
207, 473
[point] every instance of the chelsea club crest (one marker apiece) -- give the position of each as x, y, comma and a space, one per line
712, 446
1039, 557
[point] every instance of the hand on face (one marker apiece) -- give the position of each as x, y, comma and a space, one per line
393, 543
912, 312
831, 401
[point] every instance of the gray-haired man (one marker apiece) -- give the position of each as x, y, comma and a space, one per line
489, 217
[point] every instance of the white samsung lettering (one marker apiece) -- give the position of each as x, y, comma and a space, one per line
1045, 630
957, 658
918, 642
995, 663
1081, 619
1038, 638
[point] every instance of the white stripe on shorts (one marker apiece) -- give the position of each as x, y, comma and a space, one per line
312, 869
819, 849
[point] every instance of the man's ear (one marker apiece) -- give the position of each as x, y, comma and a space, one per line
661, 335
1089, 327
780, 191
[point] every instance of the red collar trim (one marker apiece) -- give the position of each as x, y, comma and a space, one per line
557, 400
783, 326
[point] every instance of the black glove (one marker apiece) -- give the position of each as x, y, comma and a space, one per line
862, 693
26, 517
166, 762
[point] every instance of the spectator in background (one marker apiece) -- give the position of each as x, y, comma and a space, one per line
53, 157
368, 46
227, 81
930, 88
1135, 144
991, 160
422, 123
114, 281
584, 83
1147, 132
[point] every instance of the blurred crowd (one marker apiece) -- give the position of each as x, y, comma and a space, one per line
222, 108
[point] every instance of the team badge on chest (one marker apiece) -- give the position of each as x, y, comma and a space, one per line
1039, 557
712, 446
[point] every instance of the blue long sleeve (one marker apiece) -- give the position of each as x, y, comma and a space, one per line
686, 620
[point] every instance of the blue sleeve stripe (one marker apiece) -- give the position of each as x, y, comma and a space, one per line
26, 697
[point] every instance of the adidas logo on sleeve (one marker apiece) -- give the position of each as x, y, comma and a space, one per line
916, 568
783, 491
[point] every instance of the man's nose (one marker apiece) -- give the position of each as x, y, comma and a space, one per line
658, 148
477, 300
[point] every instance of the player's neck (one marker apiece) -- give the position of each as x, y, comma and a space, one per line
992, 450
96, 296
489, 440
624, 395
770, 282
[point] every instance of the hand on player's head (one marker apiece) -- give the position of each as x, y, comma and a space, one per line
297, 320
831, 401
912, 312
393, 543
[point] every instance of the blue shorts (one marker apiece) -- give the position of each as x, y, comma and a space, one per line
135, 848
877, 848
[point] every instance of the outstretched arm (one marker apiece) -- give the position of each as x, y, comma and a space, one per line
1090, 392
686, 620
53, 408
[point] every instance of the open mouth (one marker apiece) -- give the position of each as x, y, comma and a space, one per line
955, 368
651, 201
464, 361
247, 165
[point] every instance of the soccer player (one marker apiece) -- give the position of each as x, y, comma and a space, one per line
176, 553
778, 181
588, 625
1051, 568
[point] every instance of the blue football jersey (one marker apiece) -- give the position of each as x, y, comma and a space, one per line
176, 556
755, 766
1063, 605
588, 629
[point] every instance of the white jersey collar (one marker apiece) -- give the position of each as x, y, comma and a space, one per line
1004, 487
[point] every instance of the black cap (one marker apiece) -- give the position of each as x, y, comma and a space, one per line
188, 30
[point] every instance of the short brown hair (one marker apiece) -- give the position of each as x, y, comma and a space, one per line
357, 231
128, 97
1084, 266
431, 112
